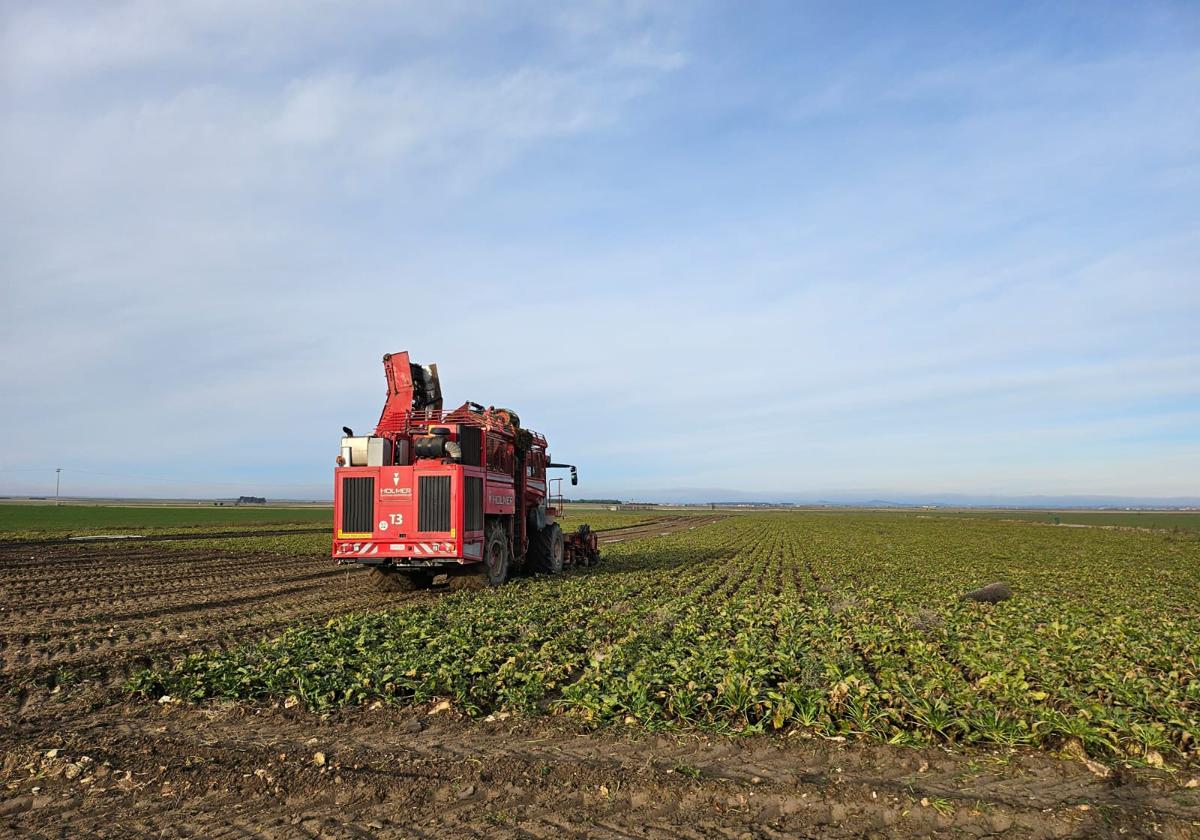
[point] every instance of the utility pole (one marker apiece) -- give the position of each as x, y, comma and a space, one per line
57, 484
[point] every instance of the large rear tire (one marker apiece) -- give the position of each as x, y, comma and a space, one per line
496, 556
494, 569
393, 580
547, 550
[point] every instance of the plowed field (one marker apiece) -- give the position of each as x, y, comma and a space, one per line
83, 758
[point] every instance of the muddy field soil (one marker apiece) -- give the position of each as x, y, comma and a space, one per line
167, 770
79, 759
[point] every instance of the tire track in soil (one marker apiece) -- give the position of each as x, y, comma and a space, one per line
90, 540
122, 603
661, 527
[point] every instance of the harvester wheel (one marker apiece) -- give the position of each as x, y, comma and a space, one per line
547, 550
495, 556
391, 580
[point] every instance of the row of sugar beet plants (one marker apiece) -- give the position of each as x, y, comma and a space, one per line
848, 624
509, 648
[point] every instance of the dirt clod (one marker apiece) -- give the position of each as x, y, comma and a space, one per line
16, 805
993, 593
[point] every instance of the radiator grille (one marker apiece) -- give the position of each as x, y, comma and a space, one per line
358, 505
433, 503
473, 511
470, 438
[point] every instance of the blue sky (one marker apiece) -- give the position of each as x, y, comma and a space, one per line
781, 248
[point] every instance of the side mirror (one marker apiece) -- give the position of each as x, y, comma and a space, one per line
574, 477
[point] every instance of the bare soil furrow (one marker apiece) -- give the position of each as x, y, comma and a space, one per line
112, 596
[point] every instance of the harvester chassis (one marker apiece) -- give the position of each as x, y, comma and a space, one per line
455, 493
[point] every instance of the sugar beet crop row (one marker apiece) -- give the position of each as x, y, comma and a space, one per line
846, 625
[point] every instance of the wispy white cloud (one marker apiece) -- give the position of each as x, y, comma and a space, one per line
944, 272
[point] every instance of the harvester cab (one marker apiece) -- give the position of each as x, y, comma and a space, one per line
460, 493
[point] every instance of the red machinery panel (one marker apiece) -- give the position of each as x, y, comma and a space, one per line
429, 488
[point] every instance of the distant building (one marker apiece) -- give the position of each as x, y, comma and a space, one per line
251, 500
